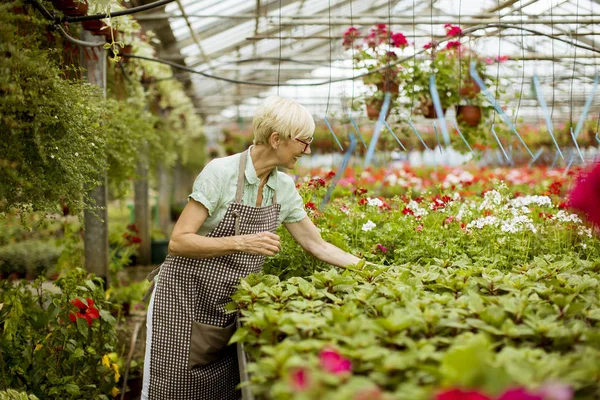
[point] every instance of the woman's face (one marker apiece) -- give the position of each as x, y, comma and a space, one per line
291, 150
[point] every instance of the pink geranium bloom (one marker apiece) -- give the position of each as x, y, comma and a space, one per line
556, 391
381, 248
585, 195
458, 394
519, 394
452, 30
300, 379
334, 362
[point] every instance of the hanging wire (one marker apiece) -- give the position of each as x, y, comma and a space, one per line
279, 64
129, 11
552, 52
522, 71
574, 63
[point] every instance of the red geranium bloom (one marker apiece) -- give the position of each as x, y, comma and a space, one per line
310, 205
399, 40
452, 30
453, 44
86, 311
457, 394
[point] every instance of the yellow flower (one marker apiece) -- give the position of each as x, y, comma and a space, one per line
38, 347
115, 391
106, 361
117, 375
107, 294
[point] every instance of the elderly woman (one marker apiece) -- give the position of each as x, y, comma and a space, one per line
224, 233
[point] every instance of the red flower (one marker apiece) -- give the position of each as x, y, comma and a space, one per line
330, 175
316, 182
349, 37
585, 195
300, 379
87, 312
334, 362
310, 205
381, 248
430, 45
135, 239
408, 211
453, 44
457, 394
519, 394
399, 40
452, 30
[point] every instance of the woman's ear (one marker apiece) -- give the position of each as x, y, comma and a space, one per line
274, 140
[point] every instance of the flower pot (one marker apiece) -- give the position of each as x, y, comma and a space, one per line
94, 25
469, 89
127, 49
71, 7
134, 386
389, 86
429, 111
469, 115
374, 109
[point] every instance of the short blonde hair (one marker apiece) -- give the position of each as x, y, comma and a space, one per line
284, 116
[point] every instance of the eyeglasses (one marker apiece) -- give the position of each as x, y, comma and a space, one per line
305, 143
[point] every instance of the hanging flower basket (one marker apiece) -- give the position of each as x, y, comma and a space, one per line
71, 8
469, 89
94, 25
428, 111
374, 107
469, 115
388, 86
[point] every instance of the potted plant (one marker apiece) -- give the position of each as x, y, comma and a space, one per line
377, 55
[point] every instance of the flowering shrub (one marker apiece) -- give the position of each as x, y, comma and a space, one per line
481, 293
57, 345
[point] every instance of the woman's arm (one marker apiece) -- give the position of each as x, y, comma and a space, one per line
187, 243
308, 236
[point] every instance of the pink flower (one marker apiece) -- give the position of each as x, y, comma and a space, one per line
585, 195
419, 228
334, 362
501, 58
399, 40
519, 394
430, 45
489, 60
381, 248
300, 379
556, 391
452, 30
457, 394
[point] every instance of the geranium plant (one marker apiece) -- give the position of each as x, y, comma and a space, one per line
378, 53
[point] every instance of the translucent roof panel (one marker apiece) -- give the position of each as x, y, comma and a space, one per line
299, 42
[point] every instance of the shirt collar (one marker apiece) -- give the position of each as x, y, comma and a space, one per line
253, 179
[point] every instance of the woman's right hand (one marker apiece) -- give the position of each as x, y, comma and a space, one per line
263, 243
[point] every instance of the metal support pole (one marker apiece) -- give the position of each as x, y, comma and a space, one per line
93, 60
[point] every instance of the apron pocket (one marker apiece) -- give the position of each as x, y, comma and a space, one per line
207, 343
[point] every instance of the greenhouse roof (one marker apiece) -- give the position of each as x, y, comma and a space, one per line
248, 50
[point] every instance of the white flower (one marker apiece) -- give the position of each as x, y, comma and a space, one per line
563, 216
51, 155
374, 202
93, 144
345, 210
489, 199
76, 154
528, 200
481, 222
368, 226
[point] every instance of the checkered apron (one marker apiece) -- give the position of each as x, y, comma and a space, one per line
196, 291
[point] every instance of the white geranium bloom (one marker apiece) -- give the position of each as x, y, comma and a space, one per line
374, 202
368, 226
528, 200
481, 222
563, 216
491, 199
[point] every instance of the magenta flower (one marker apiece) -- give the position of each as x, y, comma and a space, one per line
381, 248
334, 362
399, 40
452, 30
519, 394
458, 394
585, 195
300, 379
453, 44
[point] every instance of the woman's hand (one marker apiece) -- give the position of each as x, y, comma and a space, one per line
263, 243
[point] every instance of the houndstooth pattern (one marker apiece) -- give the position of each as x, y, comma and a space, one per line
197, 290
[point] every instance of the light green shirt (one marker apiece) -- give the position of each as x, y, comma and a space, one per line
215, 188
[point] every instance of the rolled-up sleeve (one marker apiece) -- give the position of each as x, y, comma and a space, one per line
294, 205
208, 187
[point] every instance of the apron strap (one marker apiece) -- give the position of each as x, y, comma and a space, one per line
150, 278
241, 173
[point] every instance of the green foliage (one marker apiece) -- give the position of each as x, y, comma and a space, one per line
32, 257
11, 394
44, 352
52, 143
